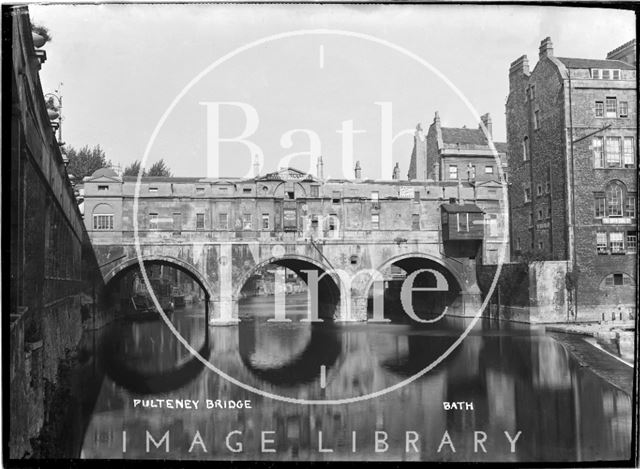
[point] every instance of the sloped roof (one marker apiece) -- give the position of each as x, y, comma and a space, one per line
467, 208
468, 138
594, 63
104, 172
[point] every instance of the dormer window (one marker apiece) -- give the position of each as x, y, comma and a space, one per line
103, 188
605, 74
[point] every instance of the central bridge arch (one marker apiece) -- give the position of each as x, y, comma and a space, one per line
328, 285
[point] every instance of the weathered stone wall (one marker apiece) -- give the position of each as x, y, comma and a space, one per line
52, 265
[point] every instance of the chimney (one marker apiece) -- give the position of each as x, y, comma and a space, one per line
486, 121
436, 119
546, 48
396, 171
320, 168
358, 171
520, 65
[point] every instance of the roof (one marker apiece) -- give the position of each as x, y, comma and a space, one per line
468, 138
467, 208
104, 172
594, 63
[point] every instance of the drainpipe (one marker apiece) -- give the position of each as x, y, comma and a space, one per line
571, 200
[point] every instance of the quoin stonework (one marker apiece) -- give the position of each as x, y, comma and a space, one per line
572, 140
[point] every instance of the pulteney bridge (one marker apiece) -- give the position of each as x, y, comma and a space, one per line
222, 231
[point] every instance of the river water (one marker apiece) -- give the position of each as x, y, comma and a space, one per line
517, 379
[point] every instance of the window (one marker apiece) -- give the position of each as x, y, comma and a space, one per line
518, 244
615, 74
153, 189
601, 242
624, 108
606, 74
611, 107
224, 189
153, 221
375, 221
492, 224
599, 108
223, 221
375, 196
547, 187
246, 221
416, 196
291, 195
530, 219
103, 222
472, 171
335, 198
632, 241
415, 221
628, 152
315, 191
463, 221
199, 190
613, 152
333, 221
630, 207
540, 214
541, 245
536, 119
547, 211
525, 149
289, 218
539, 189
533, 92
453, 172
488, 170
265, 221
199, 221
598, 155
103, 188
314, 221
614, 200
246, 190
177, 222
616, 242
599, 207
596, 73
527, 193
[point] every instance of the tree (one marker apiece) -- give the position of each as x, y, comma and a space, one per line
133, 169
159, 168
86, 161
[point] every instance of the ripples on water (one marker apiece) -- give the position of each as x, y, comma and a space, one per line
517, 378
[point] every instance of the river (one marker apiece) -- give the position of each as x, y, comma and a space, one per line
531, 401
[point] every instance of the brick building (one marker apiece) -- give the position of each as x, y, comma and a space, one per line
465, 156
571, 134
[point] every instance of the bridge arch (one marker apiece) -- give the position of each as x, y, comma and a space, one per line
420, 255
328, 285
170, 261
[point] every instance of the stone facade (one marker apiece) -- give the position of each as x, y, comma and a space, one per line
54, 275
571, 133
285, 217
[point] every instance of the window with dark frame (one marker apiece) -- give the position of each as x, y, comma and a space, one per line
415, 222
628, 152
599, 108
315, 191
199, 221
630, 207
623, 109
375, 221
601, 242
611, 107
616, 242
463, 221
632, 241
600, 202
223, 221
613, 153
265, 221
598, 153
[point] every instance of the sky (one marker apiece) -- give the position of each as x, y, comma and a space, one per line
294, 81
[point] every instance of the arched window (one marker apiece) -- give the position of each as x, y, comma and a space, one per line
617, 279
103, 217
615, 198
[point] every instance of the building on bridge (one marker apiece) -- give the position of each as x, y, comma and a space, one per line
221, 230
572, 139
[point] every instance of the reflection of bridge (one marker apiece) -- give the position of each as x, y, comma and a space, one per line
221, 232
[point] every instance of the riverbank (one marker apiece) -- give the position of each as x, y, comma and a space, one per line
612, 369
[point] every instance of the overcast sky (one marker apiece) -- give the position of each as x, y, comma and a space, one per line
123, 65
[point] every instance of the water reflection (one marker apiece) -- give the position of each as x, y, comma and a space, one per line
517, 378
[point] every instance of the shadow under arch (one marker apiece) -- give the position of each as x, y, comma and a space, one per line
117, 368
434, 302
328, 285
323, 348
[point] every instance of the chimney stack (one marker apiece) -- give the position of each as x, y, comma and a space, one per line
546, 48
520, 65
320, 168
396, 171
486, 121
358, 171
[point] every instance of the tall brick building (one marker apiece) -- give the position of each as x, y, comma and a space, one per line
571, 136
